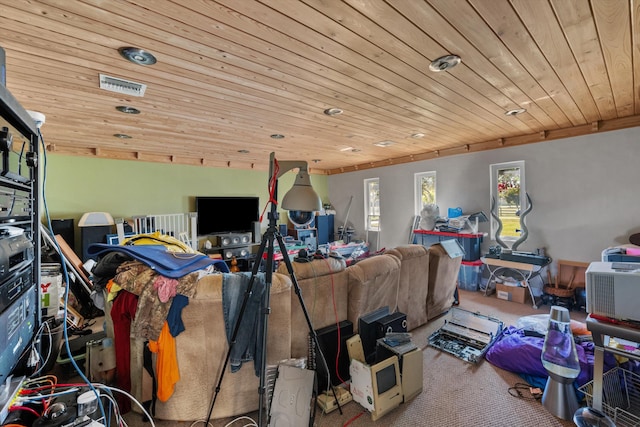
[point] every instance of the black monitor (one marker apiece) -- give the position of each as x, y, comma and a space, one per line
226, 214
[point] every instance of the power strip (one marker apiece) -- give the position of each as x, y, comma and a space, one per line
8, 392
327, 402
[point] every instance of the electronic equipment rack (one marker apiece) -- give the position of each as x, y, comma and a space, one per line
19, 233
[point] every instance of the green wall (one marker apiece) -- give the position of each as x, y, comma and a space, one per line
124, 188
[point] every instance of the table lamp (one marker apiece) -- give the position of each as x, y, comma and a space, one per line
560, 359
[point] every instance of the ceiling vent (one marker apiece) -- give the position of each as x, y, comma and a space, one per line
125, 87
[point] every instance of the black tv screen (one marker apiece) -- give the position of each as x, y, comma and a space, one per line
386, 378
226, 214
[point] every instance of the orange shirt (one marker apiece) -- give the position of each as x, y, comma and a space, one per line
167, 364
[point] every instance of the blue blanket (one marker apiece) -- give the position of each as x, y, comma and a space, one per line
169, 264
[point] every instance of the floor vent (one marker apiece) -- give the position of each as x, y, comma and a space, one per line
126, 87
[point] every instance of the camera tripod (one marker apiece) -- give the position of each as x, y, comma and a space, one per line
268, 240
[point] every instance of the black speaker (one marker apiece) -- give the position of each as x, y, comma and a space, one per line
242, 252
232, 239
93, 234
329, 344
368, 330
394, 322
64, 227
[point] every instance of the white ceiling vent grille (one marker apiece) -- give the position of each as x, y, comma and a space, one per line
126, 87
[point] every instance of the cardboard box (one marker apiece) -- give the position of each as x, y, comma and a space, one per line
512, 293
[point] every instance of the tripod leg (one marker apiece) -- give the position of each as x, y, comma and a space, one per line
236, 327
312, 331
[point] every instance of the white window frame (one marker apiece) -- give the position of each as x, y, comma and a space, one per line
495, 168
368, 205
417, 189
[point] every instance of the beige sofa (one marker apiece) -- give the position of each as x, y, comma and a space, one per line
201, 350
412, 279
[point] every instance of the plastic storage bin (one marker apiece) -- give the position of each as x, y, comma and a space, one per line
470, 242
469, 275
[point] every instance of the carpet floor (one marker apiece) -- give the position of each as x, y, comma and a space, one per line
455, 393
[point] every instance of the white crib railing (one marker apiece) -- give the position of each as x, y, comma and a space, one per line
182, 226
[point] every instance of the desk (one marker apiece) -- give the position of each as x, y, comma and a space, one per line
522, 269
601, 332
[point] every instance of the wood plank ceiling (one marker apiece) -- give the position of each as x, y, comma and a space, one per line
231, 73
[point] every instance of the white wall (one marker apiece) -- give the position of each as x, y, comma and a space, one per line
584, 192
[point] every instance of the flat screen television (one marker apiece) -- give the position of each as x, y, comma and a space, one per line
226, 214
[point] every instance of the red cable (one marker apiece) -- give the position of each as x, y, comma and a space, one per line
335, 312
273, 180
24, 408
353, 419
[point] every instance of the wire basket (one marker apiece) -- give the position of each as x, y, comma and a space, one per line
620, 396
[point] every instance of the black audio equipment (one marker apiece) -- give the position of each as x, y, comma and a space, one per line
17, 325
524, 257
19, 230
394, 322
330, 346
16, 250
231, 239
368, 333
240, 252
93, 234
18, 204
13, 286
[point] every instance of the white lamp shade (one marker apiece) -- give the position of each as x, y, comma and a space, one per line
302, 196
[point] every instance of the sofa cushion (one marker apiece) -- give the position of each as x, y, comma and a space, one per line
324, 289
414, 283
373, 283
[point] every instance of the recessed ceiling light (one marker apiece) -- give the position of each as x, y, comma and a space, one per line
243, 151
137, 55
333, 111
316, 160
417, 135
355, 150
444, 63
127, 110
346, 149
383, 143
277, 136
515, 112
122, 135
